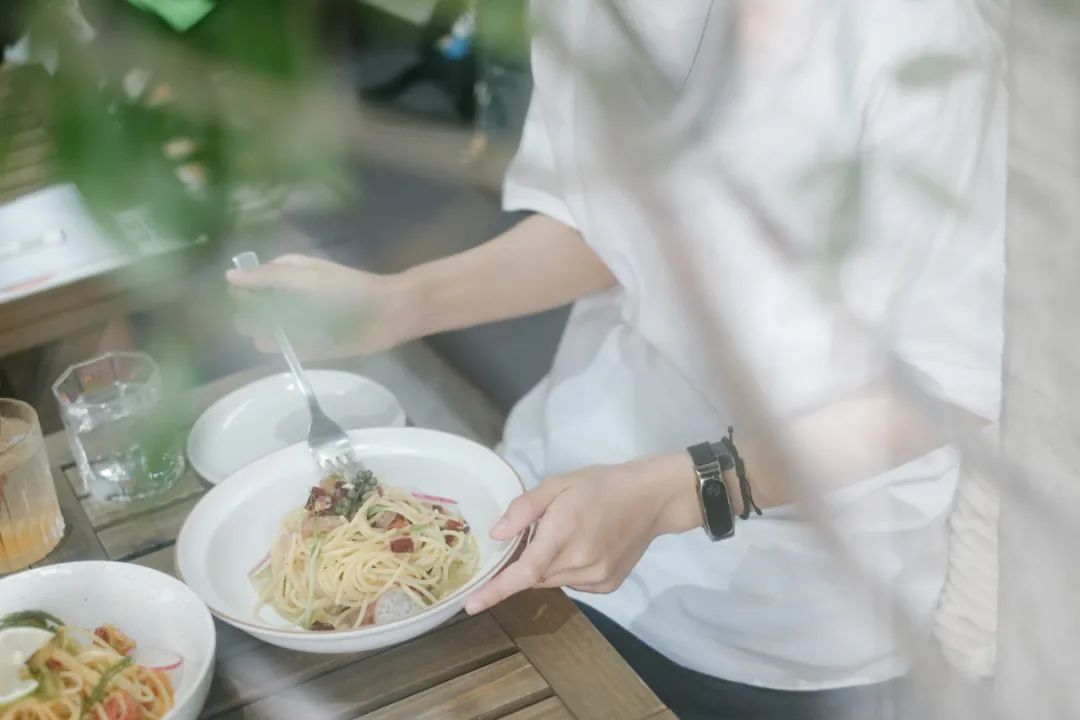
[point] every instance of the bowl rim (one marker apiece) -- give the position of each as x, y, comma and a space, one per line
206, 617
366, 631
200, 468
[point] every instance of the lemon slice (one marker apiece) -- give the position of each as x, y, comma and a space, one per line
17, 645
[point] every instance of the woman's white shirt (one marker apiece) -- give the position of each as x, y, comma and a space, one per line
725, 241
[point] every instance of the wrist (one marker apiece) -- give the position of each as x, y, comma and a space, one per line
406, 305
681, 502
680, 505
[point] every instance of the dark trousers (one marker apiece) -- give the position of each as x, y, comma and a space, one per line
694, 696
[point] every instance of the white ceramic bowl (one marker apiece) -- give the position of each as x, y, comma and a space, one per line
271, 413
235, 523
157, 611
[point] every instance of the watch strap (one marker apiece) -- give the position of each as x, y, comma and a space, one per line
710, 461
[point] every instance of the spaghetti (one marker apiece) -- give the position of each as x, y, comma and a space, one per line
88, 675
362, 554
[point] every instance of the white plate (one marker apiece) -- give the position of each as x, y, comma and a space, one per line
270, 414
235, 523
157, 611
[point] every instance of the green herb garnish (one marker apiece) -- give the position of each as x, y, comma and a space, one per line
366, 481
31, 618
349, 503
98, 693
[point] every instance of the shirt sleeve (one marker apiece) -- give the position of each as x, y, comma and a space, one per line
930, 269
532, 181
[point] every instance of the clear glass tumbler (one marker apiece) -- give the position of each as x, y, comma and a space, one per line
125, 445
30, 521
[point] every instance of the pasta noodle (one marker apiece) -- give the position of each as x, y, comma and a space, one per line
83, 675
356, 556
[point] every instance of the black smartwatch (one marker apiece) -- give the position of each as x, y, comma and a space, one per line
710, 461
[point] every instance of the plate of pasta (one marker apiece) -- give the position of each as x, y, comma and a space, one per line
325, 563
102, 641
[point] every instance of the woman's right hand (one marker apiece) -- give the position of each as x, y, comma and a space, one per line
328, 310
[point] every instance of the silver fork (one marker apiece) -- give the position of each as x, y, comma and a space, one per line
329, 444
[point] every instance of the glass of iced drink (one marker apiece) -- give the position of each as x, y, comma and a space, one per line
120, 433
30, 521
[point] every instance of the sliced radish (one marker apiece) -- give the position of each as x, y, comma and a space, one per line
179, 663
157, 659
395, 604
434, 499
259, 565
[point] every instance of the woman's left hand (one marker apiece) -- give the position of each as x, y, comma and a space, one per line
593, 525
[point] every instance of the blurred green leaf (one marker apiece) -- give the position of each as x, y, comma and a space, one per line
187, 126
930, 188
932, 69
1066, 7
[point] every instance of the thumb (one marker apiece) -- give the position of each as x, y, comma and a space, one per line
526, 509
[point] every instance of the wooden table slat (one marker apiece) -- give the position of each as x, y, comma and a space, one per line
386, 677
489, 692
147, 532
551, 709
564, 646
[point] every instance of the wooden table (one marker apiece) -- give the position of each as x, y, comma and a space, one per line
535, 656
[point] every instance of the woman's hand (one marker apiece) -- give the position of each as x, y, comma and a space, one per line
593, 525
328, 310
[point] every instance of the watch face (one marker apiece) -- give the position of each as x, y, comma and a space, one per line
718, 515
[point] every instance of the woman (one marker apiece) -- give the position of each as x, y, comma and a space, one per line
692, 246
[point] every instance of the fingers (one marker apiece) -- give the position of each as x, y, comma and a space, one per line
590, 576
527, 509
583, 579
278, 273
527, 572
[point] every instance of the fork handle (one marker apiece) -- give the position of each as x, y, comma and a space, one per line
249, 261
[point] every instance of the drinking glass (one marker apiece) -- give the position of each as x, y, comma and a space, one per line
30, 521
121, 436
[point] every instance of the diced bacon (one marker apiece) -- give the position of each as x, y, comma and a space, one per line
319, 501
383, 519
451, 540
54, 664
455, 525
321, 626
398, 522
401, 545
